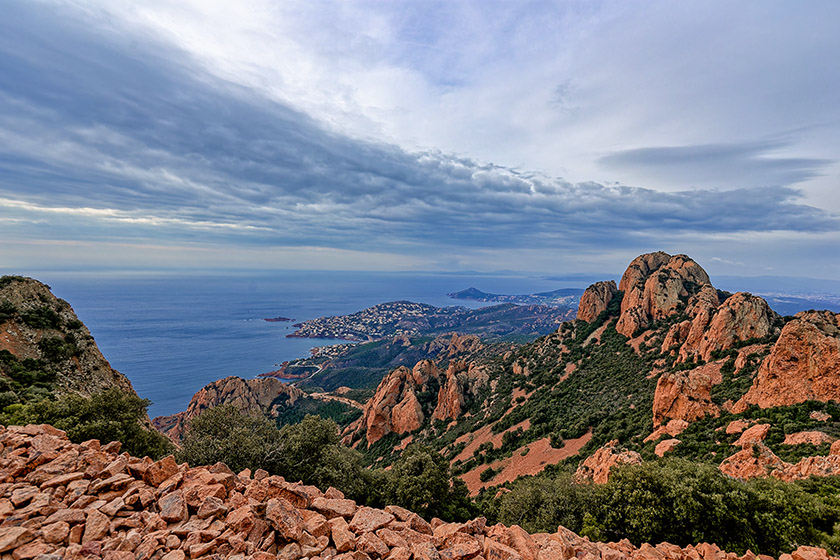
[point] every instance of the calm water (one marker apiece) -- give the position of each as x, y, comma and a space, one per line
173, 335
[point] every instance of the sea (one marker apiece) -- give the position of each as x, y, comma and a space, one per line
173, 334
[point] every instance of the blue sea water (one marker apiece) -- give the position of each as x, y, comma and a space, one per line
171, 335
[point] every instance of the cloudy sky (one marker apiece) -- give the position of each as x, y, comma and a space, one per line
549, 137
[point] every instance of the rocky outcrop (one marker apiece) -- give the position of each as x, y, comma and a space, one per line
756, 460
656, 286
396, 408
803, 364
252, 396
34, 324
61, 500
713, 327
810, 437
462, 380
665, 446
596, 468
595, 300
686, 395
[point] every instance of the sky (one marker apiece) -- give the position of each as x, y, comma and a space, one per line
542, 137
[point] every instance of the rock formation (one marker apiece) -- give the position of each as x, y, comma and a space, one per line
803, 364
685, 395
37, 325
656, 286
396, 408
595, 299
253, 396
756, 460
596, 468
61, 500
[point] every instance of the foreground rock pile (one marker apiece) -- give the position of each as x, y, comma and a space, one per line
62, 500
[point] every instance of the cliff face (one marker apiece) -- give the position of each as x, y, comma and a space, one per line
61, 500
595, 299
685, 395
248, 395
803, 365
396, 408
37, 325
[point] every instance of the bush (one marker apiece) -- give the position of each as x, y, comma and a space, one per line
43, 317
226, 434
310, 451
112, 415
541, 504
420, 481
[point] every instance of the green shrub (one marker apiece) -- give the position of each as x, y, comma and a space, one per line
43, 317
225, 434
112, 415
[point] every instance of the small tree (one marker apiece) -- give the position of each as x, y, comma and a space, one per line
226, 434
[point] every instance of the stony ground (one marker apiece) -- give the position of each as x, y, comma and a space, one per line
62, 500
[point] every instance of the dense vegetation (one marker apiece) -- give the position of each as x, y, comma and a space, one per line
111, 415
680, 502
310, 451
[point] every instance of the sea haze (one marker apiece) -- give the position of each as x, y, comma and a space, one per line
171, 335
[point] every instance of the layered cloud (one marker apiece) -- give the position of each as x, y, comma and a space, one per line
110, 134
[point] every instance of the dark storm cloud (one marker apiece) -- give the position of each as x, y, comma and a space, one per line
109, 135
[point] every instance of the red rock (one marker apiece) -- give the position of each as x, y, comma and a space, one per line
195, 494
56, 533
159, 471
212, 507
413, 520
31, 550
460, 546
284, 518
13, 537
802, 365
62, 480
753, 461
522, 542
497, 551
809, 553
173, 507
595, 299
252, 396
368, 520
665, 446
334, 494
400, 553
334, 507
343, 538
315, 523
753, 434
654, 287
96, 527
737, 426
596, 468
424, 550
812, 437
819, 416
373, 545
174, 555
686, 395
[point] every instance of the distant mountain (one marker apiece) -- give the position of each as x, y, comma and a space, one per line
564, 297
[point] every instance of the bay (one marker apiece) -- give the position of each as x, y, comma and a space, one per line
173, 334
